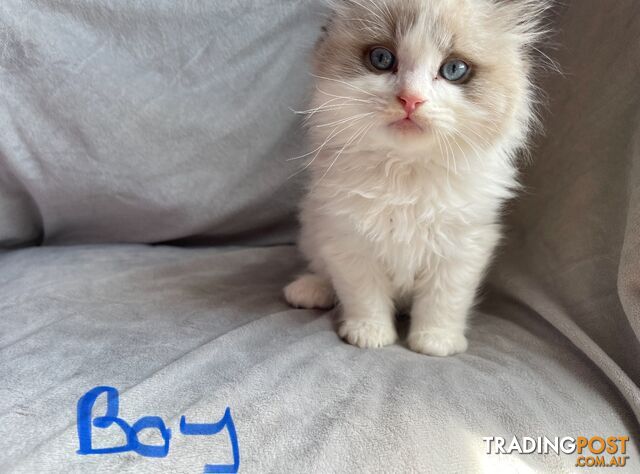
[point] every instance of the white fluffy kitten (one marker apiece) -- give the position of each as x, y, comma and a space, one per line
419, 108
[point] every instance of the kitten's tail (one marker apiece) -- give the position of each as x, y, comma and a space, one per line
310, 291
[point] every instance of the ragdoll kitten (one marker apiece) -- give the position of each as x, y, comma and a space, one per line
419, 108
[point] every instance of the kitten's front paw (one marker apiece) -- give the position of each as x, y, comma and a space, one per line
437, 342
366, 334
311, 292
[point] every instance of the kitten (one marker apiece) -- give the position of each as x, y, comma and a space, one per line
419, 109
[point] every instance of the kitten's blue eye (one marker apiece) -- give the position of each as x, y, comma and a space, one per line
382, 59
455, 70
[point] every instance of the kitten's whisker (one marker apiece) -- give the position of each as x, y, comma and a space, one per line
331, 135
492, 125
351, 140
465, 137
464, 154
485, 117
476, 148
319, 149
366, 101
482, 121
453, 133
445, 154
325, 108
330, 101
453, 155
313, 108
310, 117
307, 154
450, 155
439, 140
480, 137
344, 120
471, 144
328, 108
346, 84
365, 132
553, 65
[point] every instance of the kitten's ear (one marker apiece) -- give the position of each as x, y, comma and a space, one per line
530, 22
529, 19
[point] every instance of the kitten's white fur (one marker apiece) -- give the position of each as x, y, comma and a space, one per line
399, 220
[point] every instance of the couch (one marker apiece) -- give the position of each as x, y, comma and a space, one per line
147, 228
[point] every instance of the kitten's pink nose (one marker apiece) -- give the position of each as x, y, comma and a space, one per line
410, 102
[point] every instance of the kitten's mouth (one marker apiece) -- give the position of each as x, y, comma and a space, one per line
406, 125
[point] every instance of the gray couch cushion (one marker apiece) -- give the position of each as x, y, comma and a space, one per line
190, 332
155, 121
118, 125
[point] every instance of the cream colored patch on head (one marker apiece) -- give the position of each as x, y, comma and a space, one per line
492, 37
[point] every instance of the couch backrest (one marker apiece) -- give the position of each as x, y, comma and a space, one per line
572, 254
156, 121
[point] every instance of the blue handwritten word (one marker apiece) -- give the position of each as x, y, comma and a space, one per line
85, 424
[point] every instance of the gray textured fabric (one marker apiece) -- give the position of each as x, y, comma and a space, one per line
573, 255
189, 332
161, 120
119, 124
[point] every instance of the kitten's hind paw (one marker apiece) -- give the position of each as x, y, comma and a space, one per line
367, 334
437, 342
311, 292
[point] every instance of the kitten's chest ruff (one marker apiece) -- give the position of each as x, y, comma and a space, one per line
400, 204
410, 216
409, 229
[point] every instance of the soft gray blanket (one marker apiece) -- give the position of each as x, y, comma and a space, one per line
190, 332
125, 124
